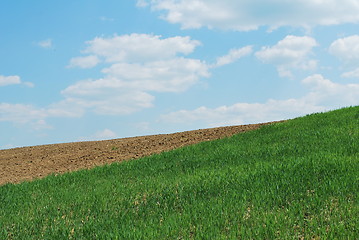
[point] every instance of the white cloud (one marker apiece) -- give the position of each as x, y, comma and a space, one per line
139, 64
84, 62
107, 96
105, 134
250, 15
351, 74
24, 114
233, 55
45, 43
173, 75
243, 113
35, 117
346, 49
290, 53
68, 107
13, 80
140, 47
20, 113
75, 106
329, 94
323, 95
125, 87
9, 80
103, 97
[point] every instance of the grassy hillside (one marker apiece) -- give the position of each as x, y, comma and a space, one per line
293, 180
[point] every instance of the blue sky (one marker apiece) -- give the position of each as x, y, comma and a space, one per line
93, 69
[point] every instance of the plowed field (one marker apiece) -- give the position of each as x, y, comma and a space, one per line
28, 163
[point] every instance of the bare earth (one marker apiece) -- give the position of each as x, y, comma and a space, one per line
28, 163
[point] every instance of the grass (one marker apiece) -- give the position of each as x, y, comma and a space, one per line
293, 180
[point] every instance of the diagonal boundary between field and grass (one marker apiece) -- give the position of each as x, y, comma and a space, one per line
297, 179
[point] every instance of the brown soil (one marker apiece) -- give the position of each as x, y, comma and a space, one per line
28, 163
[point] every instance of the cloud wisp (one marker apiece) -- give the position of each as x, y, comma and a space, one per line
233, 55
47, 43
105, 134
84, 62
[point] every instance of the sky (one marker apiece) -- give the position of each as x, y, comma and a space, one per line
94, 70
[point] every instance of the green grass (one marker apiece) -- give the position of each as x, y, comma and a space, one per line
293, 180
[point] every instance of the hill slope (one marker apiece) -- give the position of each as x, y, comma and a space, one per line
292, 180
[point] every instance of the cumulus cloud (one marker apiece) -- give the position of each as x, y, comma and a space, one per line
346, 49
330, 94
13, 80
250, 15
126, 88
173, 75
137, 66
140, 47
84, 62
233, 55
323, 95
290, 53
